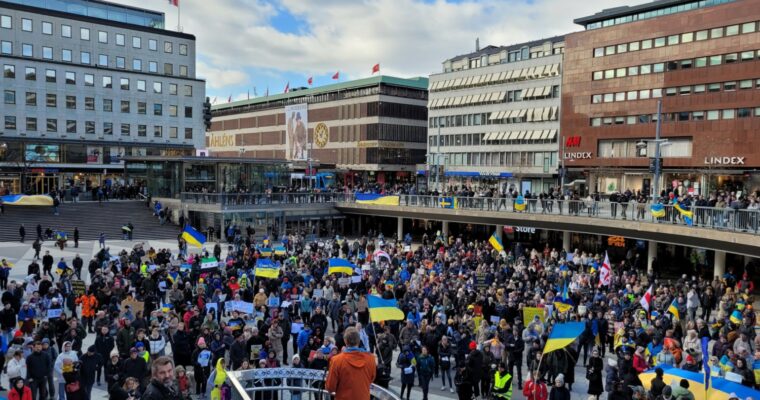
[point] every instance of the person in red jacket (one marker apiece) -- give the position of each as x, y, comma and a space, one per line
534, 389
20, 391
352, 371
639, 361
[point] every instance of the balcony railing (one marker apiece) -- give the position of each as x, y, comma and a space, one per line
258, 199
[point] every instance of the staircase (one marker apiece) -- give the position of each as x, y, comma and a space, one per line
90, 217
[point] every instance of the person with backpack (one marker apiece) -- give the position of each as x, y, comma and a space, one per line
406, 362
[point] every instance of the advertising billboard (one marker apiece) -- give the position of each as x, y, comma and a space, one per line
116, 154
94, 155
296, 132
43, 153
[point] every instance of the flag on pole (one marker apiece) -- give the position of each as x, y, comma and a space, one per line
209, 263
214, 102
383, 310
265, 268
229, 99
193, 237
339, 265
310, 80
375, 69
646, 300
562, 335
287, 87
673, 309
336, 76
254, 92
175, 3
495, 242
605, 273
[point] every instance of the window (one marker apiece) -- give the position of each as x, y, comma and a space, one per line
9, 71
142, 107
715, 60
66, 55
622, 48
50, 76
89, 127
700, 62
620, 96
47, 53
673, 39
172, 132
71, 102
716, 33
645, 70
167, 47
120, 39
609, 50
52, 125
699, 89
89, 80
140, 86
125, 106
188, 91
634, 46
672, 65
731, 58
713, 115
27, 50
729, 86
103, 60
744, 113
698, 116
713, 87
172, 110
188, 112
156, 87
158, 109
609, 74
183, 70
188, 133
659, 67
84, 33
749, 27
656, 93
120, 62
748, 55
10, 122
142, 130
137, 64
89, 103
168, 69
644, 94
9, 96
124, 83
158, 131
66, 31
599, 52
732, 30
125, 129
102, 37
26, 24
47, 28
659, 42
107, 105
684, 90
633, 71
620, 72
108, 128
6, 22
71, 126
152, 66
71, 78
745, 84
31, 124
173, 89
152, 44
702, 35
51, 100
632, 95
107, 82
609, 97
687, 37
729, 114
598, 75
31, 98
686, 64
183, 49
6, 47
84, 57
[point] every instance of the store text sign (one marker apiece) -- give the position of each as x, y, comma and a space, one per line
724, 160
580, 155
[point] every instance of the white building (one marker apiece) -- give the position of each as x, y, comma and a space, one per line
497, 113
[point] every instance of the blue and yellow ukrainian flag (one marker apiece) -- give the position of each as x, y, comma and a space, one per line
562, 335
726, 364
27, 200
339, 265
265, 268
520, 203
172, 276
686, 213
673, 309
495, 242
448, 202
384, 310
377, 199
736, 317
280, 250
563, 303
740, 304
193, 237
265, 251
756, 370
165, 307
658, 210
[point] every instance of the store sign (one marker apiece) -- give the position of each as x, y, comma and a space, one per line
724, 160
581, 155
363, 144
524, 229
573, 141
616, 241
221, 140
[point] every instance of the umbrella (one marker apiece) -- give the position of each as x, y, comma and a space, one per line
126, 228
720, 388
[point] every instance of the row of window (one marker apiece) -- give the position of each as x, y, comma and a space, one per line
47, 28
630, 148
679, 90
546, 136
710, 115
537, 93
51, 101
51, 126
699, 62
544, 159
679, 8
672, 40
496, 78
85, 57
525, 115
504, 117
30, 74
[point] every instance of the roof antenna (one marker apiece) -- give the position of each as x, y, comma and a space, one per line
477, 44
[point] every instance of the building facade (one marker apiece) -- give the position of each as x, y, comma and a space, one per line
701, 60
370, 130
86, 83
494, 117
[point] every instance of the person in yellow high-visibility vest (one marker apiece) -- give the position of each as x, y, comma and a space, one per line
502, 383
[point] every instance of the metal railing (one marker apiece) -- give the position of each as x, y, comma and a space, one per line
256, 199
299, 383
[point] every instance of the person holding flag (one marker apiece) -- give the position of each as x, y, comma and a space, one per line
605, 272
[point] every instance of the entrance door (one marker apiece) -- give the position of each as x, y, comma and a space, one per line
41, 184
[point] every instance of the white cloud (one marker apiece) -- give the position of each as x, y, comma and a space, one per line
217, 78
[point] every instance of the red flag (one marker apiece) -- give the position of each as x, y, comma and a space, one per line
287, 87
605, 273
375, 68
337, 75
229, 99
310, 80
646, 300
175, 3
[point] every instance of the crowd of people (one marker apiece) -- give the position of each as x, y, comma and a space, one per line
160, 320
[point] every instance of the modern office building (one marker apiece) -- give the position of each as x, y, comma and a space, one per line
494, 117
87, 82
701, 59
370, 130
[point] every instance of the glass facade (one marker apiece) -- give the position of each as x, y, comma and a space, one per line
95, 9
656, 13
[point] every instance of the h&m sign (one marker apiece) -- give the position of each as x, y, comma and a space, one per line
724, 160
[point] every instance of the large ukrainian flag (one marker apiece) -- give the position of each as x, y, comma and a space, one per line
658, 210
339, 265
24, 200
495, 241
673, 309
193, 237
265, 268
383, 310
377, 199
685, 212
520, 203
562, 335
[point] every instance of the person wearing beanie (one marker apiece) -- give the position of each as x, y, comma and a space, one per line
90, 364
559, 391
113, 370
202, 358
475, 364
682, 391
667, 394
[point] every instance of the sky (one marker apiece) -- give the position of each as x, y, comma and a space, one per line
246, 47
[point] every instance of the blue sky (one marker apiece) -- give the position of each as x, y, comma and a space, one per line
247, 44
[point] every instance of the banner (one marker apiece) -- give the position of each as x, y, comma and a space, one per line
297, 132
116, 154
531, 312
94, 155
208, 263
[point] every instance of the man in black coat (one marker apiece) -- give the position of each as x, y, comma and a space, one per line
134, 366
47, 264
90, 365
38, 366
474, 364
162, 385
22, 232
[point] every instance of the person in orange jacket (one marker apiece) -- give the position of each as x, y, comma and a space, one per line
352, 371
534, 389
89, 306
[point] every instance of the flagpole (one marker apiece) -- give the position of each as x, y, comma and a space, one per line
179, 27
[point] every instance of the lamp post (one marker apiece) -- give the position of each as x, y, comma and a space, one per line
657, 156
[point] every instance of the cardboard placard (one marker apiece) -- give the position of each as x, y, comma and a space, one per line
530, 312
134, 304
78, 287
213, 306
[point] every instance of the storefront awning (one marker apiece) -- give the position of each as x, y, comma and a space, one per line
505, 175
421, 172
462, 173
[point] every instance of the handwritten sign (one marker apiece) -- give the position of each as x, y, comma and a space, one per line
214, 307
78, 287
54, 313
133, 304
529, 313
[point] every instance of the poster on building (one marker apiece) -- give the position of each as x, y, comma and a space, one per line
117, 154
296, 132
94, 155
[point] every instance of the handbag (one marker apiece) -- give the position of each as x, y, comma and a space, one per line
72, 387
